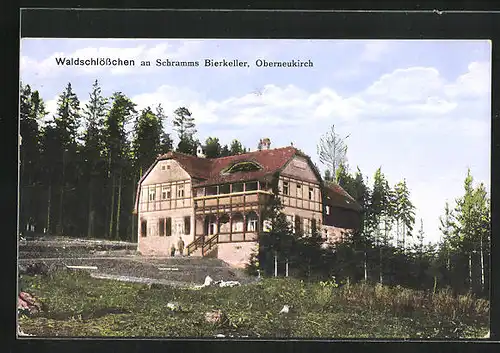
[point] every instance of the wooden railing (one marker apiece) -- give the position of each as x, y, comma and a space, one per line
195, 244
209, 244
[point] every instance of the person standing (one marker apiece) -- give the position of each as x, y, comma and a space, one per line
180, 246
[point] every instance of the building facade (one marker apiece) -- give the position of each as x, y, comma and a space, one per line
215, 205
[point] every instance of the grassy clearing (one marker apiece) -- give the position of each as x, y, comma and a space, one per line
77, 305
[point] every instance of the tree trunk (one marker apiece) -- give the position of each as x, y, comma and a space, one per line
61, 208
49, 205
61, 199
119, 205
404, 238
470, 270
365, 268
286, 268
275, 264
482, 263
110, 234
380, 278
90, 224
133, 213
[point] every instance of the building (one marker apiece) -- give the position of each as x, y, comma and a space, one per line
215, 205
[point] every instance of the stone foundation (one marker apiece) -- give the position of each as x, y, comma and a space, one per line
236, 254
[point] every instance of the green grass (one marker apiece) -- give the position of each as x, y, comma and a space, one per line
74, 304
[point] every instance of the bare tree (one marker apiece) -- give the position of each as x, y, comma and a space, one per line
332, 150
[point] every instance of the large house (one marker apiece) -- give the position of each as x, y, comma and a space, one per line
215, 204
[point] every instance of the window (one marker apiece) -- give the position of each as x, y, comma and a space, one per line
314, 226
144, 228
252, 225
297, 224
238, 187
180, 191
251, 186
307, 226
168, 226
212, 228
327, 210
163, 167
187, 225
299, 191
165, 192
200, 192
161, 227
152, 194
224, 189
211, 190
237, 223
245, 166
311, 193
286, 188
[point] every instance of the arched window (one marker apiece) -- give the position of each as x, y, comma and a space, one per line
244, 166
237, 222
252, 222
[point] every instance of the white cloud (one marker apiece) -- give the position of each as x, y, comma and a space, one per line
476, 82
407, 85
418, 84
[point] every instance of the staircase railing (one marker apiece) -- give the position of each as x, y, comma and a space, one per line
195, 244
209, 244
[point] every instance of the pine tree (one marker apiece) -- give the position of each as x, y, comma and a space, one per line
185, 127
93, 115
32, 110
328, 175
117, 153
447, 228
66, 123
236, 148
378, 217
212, 147
404, 213
465, 222
146, 144
225, 152
278, 242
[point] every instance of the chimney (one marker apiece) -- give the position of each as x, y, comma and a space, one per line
199, 152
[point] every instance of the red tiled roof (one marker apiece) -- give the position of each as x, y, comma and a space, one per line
198, 168
209, 170
338, 197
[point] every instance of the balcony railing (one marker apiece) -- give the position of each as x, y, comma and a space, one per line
254, 196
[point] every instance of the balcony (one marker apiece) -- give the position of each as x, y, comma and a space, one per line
233, 201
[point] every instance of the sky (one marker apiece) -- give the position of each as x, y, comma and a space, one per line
420, 110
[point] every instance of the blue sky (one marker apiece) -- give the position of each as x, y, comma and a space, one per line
419, 109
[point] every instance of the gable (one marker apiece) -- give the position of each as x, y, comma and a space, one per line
165, 170
300, 168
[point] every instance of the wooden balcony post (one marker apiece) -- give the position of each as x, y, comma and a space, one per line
231, 226
244, 224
